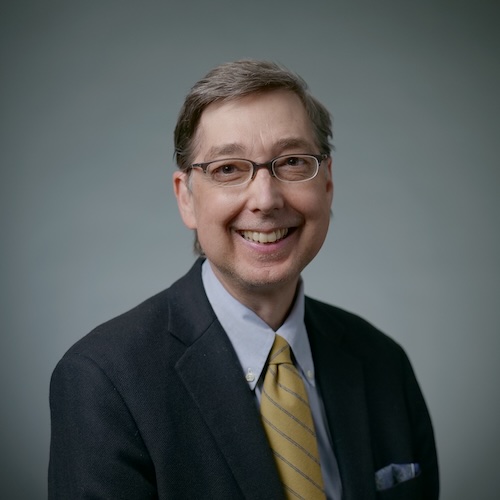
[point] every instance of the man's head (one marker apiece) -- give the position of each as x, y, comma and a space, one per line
259, 222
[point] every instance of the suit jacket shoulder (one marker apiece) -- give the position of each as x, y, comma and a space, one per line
347, 328
153, 404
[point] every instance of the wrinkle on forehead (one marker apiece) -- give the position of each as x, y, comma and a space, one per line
254, 127
235, 149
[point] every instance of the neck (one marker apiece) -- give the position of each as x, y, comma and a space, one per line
272, 303
273, 308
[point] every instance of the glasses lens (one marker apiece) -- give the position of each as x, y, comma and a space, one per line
230, 172
296, 168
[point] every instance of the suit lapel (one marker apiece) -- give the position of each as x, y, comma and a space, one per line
342, 388
211, 372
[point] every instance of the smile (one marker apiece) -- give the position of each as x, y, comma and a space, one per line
258, 237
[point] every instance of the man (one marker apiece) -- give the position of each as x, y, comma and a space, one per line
174, 399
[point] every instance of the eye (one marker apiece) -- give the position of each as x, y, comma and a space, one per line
294, 161
229, 171
295, 168
225, 169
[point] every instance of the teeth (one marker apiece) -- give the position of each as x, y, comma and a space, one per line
276, 235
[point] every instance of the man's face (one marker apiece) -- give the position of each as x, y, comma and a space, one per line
235, 224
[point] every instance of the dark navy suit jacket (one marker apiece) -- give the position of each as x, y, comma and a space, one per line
153, 404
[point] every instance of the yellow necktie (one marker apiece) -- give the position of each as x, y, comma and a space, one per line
289, 426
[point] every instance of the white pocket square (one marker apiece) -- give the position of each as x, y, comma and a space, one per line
394, 474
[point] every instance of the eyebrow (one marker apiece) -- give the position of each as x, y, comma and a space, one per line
229, 149
295, 143
235, 148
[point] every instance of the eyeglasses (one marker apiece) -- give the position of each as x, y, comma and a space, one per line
286, 168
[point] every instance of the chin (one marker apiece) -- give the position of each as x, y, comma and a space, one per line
266, 277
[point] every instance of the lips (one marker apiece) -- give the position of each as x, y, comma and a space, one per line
259, 237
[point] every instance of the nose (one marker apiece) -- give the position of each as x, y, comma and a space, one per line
265, 192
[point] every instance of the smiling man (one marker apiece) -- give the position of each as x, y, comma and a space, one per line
260, 233
232, 383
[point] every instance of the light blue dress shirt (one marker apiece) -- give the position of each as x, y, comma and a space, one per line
252, 340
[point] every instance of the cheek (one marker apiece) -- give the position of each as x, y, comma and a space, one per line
315, 206
213, 213
217, 206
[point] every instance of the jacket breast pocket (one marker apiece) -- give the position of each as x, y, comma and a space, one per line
407, 490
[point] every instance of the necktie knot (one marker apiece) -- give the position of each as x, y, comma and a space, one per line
280, 352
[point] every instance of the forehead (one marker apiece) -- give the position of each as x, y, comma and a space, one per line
257, 124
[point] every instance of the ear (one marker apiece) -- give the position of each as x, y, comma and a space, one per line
329, 178
185, 200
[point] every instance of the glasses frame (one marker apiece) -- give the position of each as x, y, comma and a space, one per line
269, 165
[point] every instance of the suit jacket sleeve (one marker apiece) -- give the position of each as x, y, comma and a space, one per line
113, 463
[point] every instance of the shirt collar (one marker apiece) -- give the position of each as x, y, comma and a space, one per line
251, 337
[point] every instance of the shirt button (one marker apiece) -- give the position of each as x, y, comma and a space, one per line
250, 377
310, 374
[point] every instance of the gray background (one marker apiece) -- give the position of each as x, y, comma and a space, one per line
89, 225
